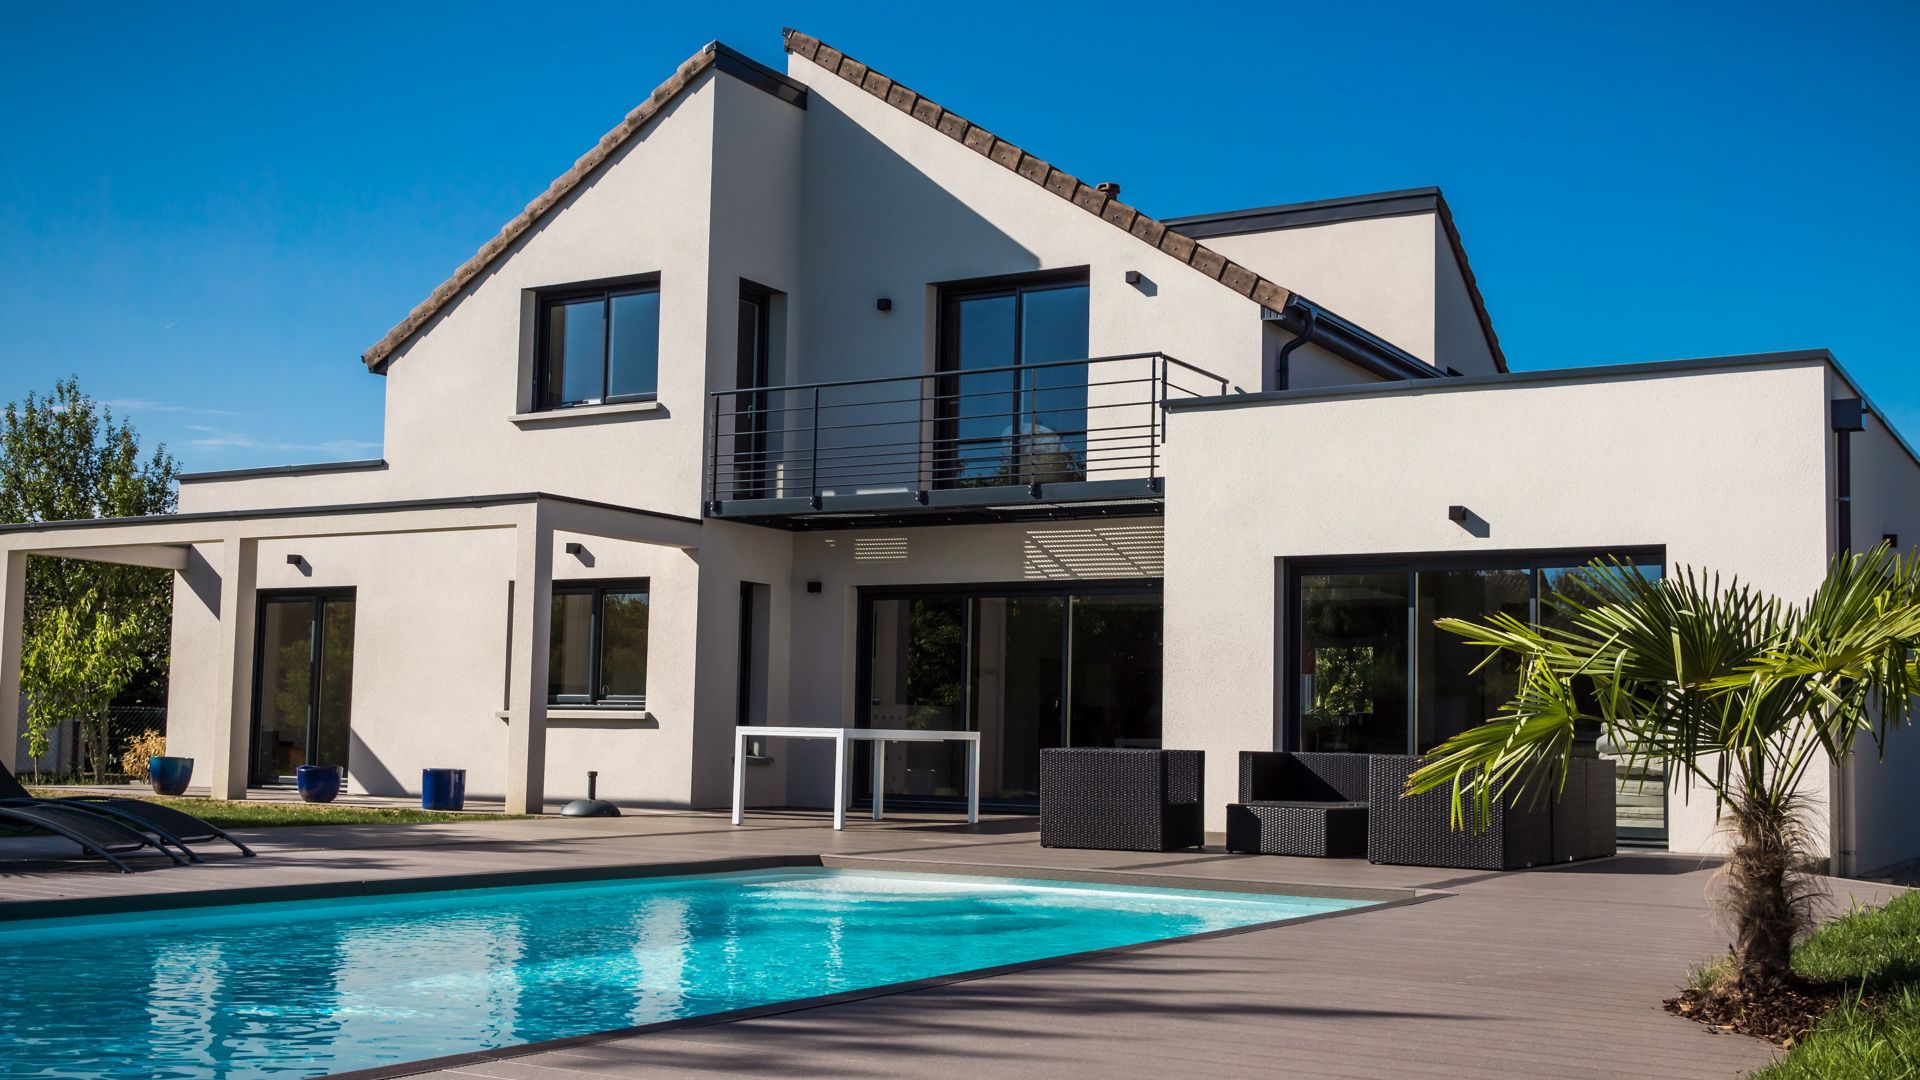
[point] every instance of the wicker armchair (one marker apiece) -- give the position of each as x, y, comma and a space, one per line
1122, 799
1585, 825
1300, 804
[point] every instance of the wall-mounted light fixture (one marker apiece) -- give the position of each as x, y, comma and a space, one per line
575, 548
1457, 514
1133, 277
885, 303
1892, 540
813, 586
294, 560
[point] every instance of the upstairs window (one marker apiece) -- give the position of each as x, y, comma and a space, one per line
598, 648
599, 345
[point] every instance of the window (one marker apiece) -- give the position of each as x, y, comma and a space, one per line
598, 651
1012, 402
599, 346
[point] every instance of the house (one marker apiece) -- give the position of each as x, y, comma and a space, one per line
802, 400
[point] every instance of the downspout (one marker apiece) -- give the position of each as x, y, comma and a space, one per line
1846, 416
1282, 364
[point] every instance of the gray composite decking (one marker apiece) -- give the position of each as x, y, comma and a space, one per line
1546, 973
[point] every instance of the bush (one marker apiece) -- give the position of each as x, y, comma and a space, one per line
147, 744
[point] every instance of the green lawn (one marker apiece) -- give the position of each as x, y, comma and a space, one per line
1875, 1036
259, 815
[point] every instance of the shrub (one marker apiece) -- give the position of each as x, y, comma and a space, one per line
147, 744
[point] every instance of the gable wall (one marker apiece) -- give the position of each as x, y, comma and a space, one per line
1459, 341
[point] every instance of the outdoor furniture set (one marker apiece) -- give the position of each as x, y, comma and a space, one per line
1317, 804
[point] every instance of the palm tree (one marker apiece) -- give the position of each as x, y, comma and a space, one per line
1737, 690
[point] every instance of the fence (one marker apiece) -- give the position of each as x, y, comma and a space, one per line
68, 758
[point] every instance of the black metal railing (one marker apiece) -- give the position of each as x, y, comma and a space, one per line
1069, 421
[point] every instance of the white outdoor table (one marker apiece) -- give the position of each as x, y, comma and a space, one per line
842, 737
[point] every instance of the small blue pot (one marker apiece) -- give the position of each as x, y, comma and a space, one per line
318, 783
443, 789
169, 774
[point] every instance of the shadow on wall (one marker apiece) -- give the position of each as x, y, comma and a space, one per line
369, 772
878, 226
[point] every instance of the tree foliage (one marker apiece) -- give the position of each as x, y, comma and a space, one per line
63, 457
73, 665
1737, 690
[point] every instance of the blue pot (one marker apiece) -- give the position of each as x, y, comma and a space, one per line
318, 783
443, 789
169, 774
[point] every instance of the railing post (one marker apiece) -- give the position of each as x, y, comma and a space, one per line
713, 465
813, 464
1157, 391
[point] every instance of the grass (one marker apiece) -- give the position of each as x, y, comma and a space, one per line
1875, 1034
259, 815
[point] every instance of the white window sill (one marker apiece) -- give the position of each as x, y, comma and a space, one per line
586, 412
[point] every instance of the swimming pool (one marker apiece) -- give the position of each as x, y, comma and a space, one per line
309, 987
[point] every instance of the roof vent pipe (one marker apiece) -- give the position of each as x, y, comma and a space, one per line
1110, 189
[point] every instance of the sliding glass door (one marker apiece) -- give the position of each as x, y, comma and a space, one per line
303, 683
1011, 406
1028, 668
1370, 672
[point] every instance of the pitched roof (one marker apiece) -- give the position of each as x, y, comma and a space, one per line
382, 351
1267, 294
1260, 290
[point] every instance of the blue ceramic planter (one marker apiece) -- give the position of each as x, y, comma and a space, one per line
169, 774
318, 783
443, 789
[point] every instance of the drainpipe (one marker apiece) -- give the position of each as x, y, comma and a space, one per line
1282, 373
1846, 416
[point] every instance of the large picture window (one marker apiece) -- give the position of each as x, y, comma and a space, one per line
599, 345
1369, 673
598, 650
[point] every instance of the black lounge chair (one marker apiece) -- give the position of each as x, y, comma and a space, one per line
96, 834
169, 826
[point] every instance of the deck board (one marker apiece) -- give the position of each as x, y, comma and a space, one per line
1547, 973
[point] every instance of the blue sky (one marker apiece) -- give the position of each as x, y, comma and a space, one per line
208, 211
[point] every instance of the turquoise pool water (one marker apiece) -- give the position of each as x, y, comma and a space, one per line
317, 986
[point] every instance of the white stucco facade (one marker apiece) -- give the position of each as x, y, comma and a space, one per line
1345, 425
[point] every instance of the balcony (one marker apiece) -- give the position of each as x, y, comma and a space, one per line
1068, 439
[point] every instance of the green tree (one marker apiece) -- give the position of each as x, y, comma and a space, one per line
1737, 690
62, 457
72, 665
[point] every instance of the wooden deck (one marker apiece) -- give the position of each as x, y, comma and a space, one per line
1549, 973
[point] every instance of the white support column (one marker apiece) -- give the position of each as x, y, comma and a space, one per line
527, 681
227, 772
13, 610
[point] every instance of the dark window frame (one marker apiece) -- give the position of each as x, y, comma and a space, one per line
318, 598
545, 397
948, 464
596, 639
1289, 735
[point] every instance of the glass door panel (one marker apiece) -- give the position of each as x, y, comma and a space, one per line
1115, 678
979, 409
1454, 691
286, 688
1015, 689
1353, 662
917, 681
303, 699
1024, 422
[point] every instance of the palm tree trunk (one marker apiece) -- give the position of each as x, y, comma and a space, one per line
1761, 900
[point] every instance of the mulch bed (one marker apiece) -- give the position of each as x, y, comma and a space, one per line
1779, 1016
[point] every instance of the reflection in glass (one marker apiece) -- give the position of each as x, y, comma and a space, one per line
576, 351
1018, 660
335, 706
570, 648
1353, 662
1116, 671
1026, 422
633, 366
1455, 689
286, 687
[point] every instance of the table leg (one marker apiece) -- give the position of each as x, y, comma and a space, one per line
840, 779
973, 781
879, 782
739, 775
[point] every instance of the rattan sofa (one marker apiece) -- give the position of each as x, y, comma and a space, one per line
1300, 804
1418, 830
1122, 799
